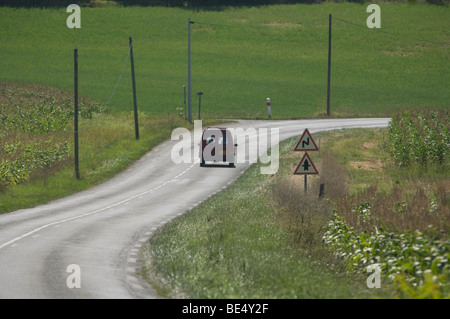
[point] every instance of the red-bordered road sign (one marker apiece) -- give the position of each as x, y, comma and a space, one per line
306, 166
306, 143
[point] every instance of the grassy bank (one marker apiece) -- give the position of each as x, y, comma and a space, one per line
263, 238
240, 56
37, 152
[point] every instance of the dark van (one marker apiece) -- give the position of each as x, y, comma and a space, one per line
217, 146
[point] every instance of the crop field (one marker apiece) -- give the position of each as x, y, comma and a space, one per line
420, 139
29, 120
240, 56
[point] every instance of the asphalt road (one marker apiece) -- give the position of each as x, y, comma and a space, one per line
101, 230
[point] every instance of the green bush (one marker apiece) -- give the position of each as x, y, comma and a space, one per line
411, 257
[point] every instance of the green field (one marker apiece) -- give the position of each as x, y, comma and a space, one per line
240, 56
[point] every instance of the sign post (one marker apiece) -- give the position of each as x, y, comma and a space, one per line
306, 166
306, 143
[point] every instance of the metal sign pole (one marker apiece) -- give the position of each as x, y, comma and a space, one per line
306, 166
306, 183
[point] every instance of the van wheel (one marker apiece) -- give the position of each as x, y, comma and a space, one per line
202, 164
232, 165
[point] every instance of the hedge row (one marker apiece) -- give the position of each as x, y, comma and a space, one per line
179, 3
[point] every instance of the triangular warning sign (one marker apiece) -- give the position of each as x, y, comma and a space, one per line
306, 166
306, 143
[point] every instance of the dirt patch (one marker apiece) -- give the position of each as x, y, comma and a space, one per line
368, 145
367, 165
282, 24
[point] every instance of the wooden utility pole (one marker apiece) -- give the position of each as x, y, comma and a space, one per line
75, 129
136, 123
189, 73
329, 66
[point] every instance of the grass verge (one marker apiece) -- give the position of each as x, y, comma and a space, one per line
233, 246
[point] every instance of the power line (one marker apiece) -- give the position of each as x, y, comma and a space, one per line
163, 35
123, 70
393, 33
120, 77
261, 26
94, 120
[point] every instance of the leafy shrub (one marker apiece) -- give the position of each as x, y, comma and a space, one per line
409, 257
34, 156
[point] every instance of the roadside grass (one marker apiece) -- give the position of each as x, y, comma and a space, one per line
233, 246
394, 217
263, 238
240, 56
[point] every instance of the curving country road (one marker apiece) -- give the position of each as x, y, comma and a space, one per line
101, 230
